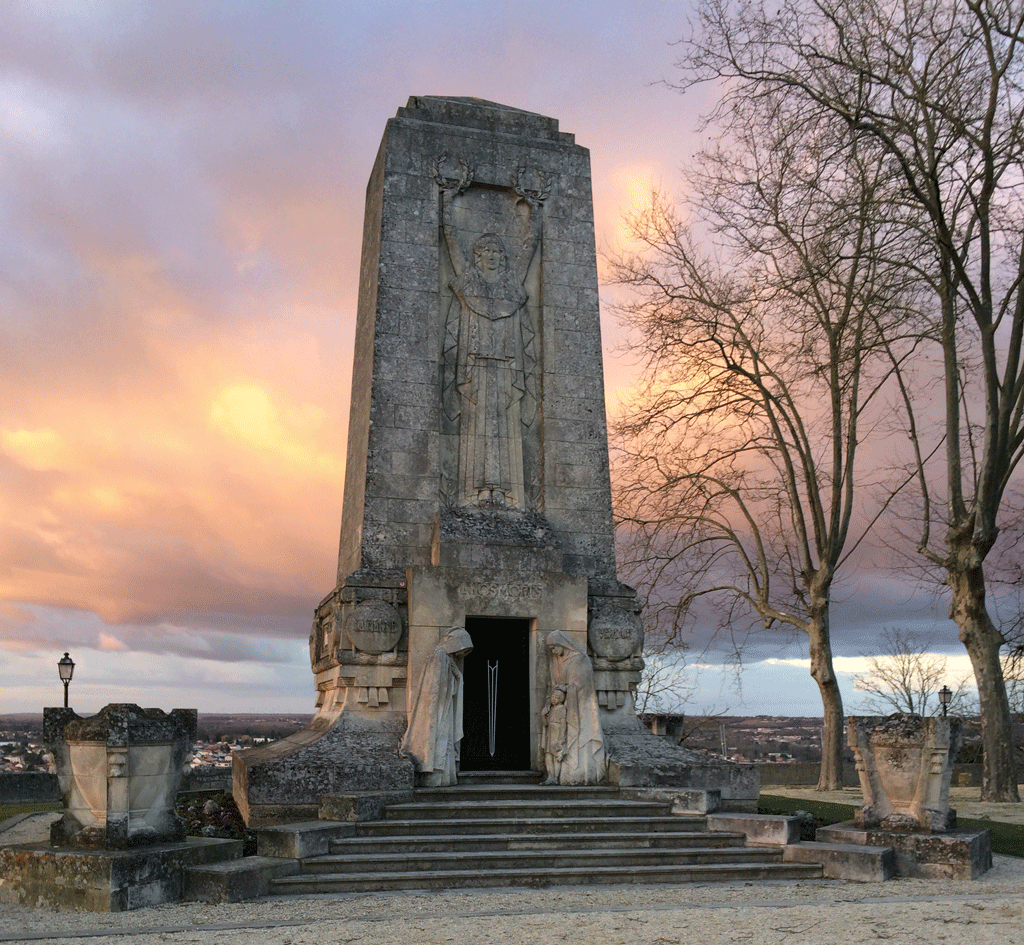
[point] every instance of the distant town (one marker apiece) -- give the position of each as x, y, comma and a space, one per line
22, 748
761, 739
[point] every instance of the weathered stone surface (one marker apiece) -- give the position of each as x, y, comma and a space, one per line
284, 781
682, 800
119, 772
235, 880
766, 830
374, 626
956, 854
639, 759
504, 150
905, 763
616, 634
849, 861
306, 838
104, 880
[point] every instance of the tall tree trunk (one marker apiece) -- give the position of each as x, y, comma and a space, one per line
982, 641
830, 776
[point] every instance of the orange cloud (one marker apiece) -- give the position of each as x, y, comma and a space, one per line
36, 449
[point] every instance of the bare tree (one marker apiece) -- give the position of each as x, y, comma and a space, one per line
1013, 664
907, 677
738, 461
667, 688
935, 88
665, 684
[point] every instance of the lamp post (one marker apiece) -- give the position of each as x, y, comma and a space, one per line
66, 668
945, 695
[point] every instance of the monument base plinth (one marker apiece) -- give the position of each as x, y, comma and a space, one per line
638, 759
42, 876
335, 754
956, 854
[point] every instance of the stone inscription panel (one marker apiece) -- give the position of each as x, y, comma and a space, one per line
616, 633
500, 591
374, 626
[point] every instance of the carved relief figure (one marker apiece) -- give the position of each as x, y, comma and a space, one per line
435, 720
584, 760
554, 735
489, 351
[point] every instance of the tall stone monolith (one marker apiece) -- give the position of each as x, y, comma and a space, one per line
477, 517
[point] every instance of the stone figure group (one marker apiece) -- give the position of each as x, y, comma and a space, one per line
573, 744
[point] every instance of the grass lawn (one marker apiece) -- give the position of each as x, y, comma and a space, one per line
1007, 839
12, 810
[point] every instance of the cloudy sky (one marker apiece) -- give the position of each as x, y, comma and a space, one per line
181, 190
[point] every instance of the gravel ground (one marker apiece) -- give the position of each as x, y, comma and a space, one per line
979, 912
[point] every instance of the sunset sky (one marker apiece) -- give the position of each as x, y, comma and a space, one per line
181, 199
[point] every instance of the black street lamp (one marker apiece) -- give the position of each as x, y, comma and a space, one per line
66, 668
945, 695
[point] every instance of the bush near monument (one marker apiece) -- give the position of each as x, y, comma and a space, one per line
215, 815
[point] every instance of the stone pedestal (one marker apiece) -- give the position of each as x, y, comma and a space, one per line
955, 854
119, 773
43, 877
905, 763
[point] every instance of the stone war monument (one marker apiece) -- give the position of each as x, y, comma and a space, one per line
905, 763
477, 623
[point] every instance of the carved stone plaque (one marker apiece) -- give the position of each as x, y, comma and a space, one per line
374, 626
616, 633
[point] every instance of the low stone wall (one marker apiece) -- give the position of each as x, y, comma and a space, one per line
28, 787
207, 779
31, 787
963, 775
804, 773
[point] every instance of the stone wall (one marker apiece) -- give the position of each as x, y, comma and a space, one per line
963, 775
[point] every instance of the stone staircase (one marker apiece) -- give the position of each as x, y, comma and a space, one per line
484, 833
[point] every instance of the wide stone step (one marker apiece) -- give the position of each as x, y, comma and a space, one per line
496, 793
565, 807
314, 884
534, 860
446, 824
497, 777
639, 840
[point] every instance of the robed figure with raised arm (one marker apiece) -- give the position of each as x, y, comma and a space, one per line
490, 353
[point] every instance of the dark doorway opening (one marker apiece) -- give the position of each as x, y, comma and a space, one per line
496, 701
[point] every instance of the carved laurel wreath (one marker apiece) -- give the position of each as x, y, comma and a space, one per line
538, 195
458, 185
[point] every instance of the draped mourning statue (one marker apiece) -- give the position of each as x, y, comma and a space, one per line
583, 758
490, 352
435, 720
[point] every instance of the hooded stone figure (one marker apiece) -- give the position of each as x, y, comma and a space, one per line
435, 720
584, 760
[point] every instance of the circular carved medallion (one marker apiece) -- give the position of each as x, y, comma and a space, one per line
374, 626
616, 633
